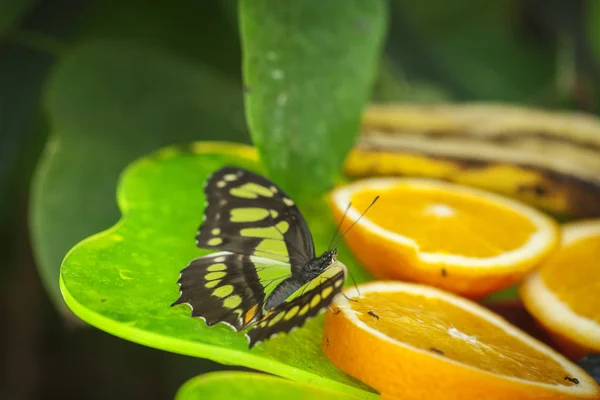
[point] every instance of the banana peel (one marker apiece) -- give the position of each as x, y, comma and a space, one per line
550, 160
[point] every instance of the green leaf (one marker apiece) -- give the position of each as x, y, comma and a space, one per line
509, 293
481, 53
593, 28
199, 31
102, 118
22, 134
251, 386
11, 12
393, 87
308, 68
123, 280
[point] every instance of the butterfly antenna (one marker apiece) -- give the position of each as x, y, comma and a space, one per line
337, 230
358, 219
355, 287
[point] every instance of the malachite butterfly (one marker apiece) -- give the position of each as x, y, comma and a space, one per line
266, 278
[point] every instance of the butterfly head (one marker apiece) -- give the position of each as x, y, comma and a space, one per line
316, 266
328, 258
333, 255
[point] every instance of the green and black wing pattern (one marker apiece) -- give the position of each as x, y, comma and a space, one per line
262, 240
223, 287
247, 214
293, 313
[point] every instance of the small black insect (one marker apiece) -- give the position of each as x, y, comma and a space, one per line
372, 314
436, 350
102, 300
574, 380
444, 272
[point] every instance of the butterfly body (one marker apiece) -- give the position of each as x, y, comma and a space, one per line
266, 279
309, 271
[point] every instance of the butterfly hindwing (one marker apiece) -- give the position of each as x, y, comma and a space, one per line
247, 214
223, 287
313, 298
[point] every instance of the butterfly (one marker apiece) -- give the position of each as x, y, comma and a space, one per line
265, 278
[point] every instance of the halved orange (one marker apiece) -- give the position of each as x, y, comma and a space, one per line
412, 341
461, 239
563, 295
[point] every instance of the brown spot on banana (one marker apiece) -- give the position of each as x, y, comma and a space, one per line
550, 160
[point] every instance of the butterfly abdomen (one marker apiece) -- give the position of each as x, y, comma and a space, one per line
284, 290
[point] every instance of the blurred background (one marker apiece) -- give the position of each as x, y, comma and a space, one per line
87, 86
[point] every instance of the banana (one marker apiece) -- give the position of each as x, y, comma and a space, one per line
548, 159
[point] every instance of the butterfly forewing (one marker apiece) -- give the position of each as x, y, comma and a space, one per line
306, 303
247, 214
230, 288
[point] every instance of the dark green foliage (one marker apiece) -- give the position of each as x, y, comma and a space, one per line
98, 84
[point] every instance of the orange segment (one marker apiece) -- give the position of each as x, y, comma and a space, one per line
574, 274
564, 293
430, 213
461, 239
412, 341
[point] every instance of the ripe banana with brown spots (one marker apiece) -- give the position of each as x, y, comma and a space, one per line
548, 159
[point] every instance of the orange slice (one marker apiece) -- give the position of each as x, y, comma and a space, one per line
461, 239
411, 341
564, 294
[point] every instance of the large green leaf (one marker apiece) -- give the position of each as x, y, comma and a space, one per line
108, 104
308, 67
143, 75
123, 280
251, 386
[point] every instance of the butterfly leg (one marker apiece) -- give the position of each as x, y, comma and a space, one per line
333, 312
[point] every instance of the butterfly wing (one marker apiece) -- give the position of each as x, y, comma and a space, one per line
226, 287
247, 214
309, 301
